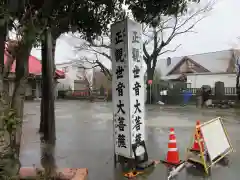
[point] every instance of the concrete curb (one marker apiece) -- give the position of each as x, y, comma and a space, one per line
65, 173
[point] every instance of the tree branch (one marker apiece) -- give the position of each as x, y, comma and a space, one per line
96, 63
147, 56
105, 70
94, 44
94, 47
179, 25
172, 26
173, 50
98, 52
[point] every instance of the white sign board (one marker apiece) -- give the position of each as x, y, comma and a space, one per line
215, 138
127, 86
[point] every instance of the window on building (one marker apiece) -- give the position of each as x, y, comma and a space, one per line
169, 61
191, 65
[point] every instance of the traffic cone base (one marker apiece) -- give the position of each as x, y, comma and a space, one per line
196, 146
172, 164
194, 150
172, 157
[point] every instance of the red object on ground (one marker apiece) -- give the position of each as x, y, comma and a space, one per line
196, 146
149, 81
83, 93
172, 154
34, 67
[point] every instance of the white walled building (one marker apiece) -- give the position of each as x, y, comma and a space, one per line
196, 80
201, 69
75, 75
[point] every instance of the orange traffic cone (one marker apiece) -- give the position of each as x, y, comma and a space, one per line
198, 140
172, 154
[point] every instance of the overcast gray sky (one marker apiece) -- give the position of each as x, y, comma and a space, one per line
216, 32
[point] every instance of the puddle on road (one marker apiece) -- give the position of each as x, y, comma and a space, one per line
65, 116
102, 117
160, 130
90, 131
169, 121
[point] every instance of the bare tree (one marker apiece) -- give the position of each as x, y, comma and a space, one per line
163, 30
156, 37
97, 63
236, 60
237, 81
100, 48
234, 66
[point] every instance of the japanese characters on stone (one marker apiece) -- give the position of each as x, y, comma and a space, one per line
137, 86
120, 89
127, 86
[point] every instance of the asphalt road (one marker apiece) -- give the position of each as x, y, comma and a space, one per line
84, 138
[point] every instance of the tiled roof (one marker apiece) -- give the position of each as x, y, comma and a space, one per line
35, 66
215, 62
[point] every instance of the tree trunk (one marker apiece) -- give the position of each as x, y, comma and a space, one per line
47, 124
3, 30
150, 74
48, 114
238, 87
21, 79
2, 47
10, 163
151, 65
3, 34
20, 52
44, 54
42, 115
54, 41
41, 125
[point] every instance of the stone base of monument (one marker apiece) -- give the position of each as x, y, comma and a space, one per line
147, 164
61, 174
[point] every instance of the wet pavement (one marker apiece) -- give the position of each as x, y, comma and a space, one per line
84, 138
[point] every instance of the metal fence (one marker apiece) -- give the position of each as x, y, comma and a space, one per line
228, 90
175, 95
156, 88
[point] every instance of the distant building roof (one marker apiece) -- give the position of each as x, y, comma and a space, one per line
215, 62
35, 66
